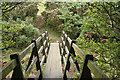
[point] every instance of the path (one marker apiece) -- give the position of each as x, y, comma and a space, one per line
53, 68
52, 35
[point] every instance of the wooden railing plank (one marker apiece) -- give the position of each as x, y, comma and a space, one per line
95, 70
69, 40
8, 68
44, 43
38, 40
42, 61
30, 67
40, 50
25, 51
71, 61
78, 51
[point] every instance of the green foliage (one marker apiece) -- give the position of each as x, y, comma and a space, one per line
9, 33
65, 16
25, 10
50, 20
17, 24
19, 33
20, 10
100, 36
98, 25
27, 34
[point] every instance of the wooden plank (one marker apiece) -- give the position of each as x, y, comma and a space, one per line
53, 68
30, 67
64, 61
73, 65
44, 43
96, 71
38, 40
40, 50
78, 51
43, 36
68, 74
46, 51
7, 69
25, 51
42, 61
67, 51
69, 40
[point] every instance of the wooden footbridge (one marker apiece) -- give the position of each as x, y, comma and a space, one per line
54, 55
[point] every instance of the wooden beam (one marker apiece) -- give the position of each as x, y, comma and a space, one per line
30, 67
25, 51
73, 65
38, 40
42, 61
40, 50
96, 71
7, 69
78, 51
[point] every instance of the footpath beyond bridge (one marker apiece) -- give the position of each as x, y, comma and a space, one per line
54, 55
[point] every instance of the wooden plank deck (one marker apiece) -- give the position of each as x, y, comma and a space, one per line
53, 68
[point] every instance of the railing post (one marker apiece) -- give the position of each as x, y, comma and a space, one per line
47, 42
64, 39
35, 53
30, 60
68, 61
86, 73
17, 72
73, 55
42, 43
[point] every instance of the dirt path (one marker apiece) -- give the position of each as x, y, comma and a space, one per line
52, 36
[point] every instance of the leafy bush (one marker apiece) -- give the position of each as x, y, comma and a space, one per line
65, 17
19, 33
28, 32
24, 10
9, 33
50, 20
98, 37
